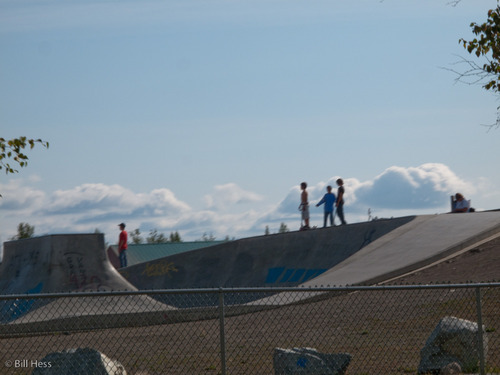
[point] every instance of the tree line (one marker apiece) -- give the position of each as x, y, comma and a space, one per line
25, 230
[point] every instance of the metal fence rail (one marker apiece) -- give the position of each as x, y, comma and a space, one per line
236, 331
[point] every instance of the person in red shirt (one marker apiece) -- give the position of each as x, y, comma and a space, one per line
122, 245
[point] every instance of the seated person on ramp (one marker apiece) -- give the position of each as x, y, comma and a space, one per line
460, 204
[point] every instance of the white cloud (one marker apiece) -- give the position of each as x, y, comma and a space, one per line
90, 197
86, 207
164, 202
18, 197
425, 186
228, 195
100, 198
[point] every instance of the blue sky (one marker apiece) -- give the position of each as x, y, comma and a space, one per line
205, 116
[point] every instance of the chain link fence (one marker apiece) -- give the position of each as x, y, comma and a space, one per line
373, 330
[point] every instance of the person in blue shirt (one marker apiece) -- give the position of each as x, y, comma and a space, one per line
328, 200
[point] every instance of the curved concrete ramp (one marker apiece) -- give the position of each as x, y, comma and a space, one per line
58, 263
61, 263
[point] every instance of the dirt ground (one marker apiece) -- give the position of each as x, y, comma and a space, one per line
383, 331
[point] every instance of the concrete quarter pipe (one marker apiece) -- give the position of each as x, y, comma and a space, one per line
62, 263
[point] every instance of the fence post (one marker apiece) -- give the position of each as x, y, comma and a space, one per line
480, 331
222, 332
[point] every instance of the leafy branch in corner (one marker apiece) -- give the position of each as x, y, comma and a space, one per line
486, 44
14, 149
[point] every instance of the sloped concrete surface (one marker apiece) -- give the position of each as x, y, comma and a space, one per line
412, 246
287, 259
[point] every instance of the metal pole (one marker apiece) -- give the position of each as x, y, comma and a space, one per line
222, 332
480, 331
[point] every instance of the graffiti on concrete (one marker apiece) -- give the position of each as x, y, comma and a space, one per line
279, 275
11, 310
159, 269
368, 237
21, 261
78, 276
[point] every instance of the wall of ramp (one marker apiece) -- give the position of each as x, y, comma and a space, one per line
287, 259
59, 263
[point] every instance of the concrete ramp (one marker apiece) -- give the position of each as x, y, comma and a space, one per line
58, 263
422, 241
417, 244
62, 263
363, 253
287, 259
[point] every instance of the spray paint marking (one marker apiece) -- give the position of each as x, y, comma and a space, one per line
159, 269
278, 275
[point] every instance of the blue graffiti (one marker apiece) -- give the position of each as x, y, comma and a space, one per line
11, 310
302, 362
292, 275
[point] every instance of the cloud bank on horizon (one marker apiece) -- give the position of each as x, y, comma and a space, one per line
227, 210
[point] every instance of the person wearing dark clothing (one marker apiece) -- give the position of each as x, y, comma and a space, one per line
339, 204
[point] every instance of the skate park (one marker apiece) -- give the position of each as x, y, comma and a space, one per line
357, 254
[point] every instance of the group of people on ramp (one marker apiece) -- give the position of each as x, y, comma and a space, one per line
331, 204
334, 205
